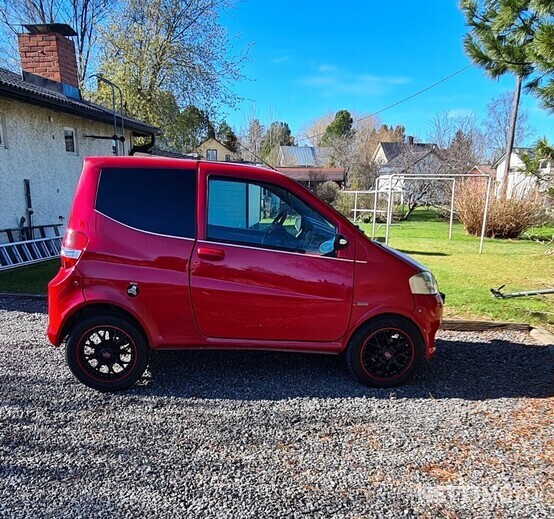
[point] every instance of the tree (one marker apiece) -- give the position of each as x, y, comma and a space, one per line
460, 140
353, 152
227, 137
252, 140
497, 124
314, 131
362, 172
541, 50
278, 134
339, 128
191, 128
160, 47
540, 156
501, 32
84, 16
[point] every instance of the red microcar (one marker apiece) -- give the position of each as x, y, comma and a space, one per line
166, 254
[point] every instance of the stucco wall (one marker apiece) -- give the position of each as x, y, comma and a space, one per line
35, 150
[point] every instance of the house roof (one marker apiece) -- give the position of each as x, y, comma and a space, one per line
14, 87
485, 169
518, 152
391, 150
405, 161
203, 143
305, 156
313, 174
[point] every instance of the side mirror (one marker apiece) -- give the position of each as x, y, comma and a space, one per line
340, 242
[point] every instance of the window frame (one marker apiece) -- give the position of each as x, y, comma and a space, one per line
215, 153
254, 245
194, 212
74, 133
3, 138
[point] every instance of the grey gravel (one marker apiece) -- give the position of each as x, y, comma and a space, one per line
255, 434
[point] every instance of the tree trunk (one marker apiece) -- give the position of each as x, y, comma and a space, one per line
511, 138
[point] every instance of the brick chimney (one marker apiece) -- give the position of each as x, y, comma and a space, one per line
46, 52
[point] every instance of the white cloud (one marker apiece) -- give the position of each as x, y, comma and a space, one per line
280, 59
461, 112
327, 68
361, 85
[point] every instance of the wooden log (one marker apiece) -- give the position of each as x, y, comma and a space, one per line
462, 325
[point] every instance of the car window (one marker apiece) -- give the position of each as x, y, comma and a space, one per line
161, 201
267, 216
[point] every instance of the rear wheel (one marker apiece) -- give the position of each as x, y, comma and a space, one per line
106, 352
385, 352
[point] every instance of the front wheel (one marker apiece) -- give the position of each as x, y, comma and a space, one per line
385, 352
106, 353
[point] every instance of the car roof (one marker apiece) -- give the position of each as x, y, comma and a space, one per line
259, 172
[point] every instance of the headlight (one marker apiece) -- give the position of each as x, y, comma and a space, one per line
424, 283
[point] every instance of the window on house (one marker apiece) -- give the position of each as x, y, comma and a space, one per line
70, 141
211, 154
228, 158
2, 131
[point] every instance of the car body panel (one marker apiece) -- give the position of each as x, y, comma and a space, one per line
205, 293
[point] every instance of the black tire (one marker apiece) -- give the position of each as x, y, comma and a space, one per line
385, 352
106, 352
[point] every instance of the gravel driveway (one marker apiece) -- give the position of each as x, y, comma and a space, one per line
238, 434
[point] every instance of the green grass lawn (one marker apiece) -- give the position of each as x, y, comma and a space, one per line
464, 275
29, 280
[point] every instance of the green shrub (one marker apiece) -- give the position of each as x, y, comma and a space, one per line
328, 191
344, 203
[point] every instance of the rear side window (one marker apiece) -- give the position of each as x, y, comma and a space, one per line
162, 201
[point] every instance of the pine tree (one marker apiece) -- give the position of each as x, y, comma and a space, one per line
340, 127
498, 41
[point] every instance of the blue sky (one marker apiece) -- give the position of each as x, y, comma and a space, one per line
309, 58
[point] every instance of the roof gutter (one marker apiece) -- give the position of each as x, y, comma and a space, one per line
37, 100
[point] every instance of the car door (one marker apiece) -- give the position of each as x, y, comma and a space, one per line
265, 268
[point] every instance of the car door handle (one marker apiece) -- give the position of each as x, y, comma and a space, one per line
211, 254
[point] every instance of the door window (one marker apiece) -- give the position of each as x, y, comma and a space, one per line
266, 215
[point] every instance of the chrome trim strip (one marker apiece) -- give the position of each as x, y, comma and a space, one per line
361, 262
304, 255
142, 230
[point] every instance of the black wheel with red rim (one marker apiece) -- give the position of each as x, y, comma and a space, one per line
106, 352
385, 352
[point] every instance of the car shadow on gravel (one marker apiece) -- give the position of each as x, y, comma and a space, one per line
465, 370
30, 305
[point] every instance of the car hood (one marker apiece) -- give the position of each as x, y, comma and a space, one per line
404, 257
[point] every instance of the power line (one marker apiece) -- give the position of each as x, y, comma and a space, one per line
397, 102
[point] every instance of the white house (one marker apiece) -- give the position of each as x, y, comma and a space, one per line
519, 182
46, 129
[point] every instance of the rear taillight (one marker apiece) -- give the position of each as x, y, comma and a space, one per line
73, 245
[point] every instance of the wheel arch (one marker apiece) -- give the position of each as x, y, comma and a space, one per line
385, 315
93, 309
